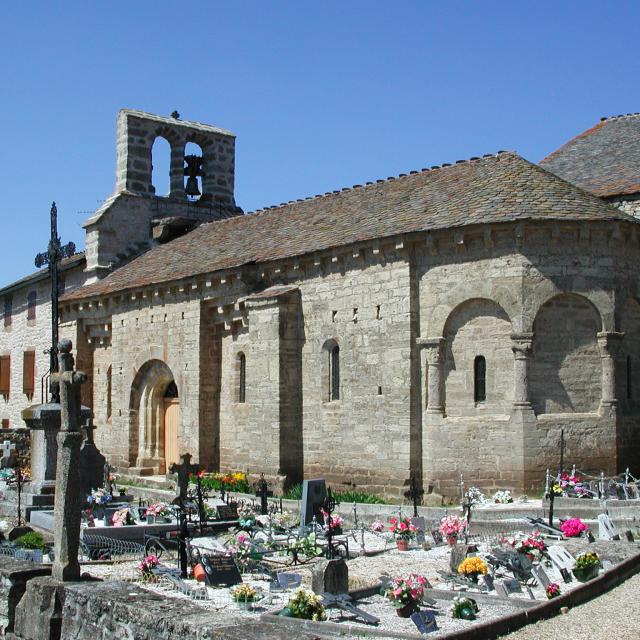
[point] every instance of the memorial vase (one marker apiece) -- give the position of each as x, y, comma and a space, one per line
406, 610
402, 545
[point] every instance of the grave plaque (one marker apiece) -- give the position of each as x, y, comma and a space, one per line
606, 528
566, 575
511, 585
226, 512
425, 621
289, 580
501, 590
561, 557
629, 536
488, 582
437, 537
314, 493
419, 523
220, 570
458, 554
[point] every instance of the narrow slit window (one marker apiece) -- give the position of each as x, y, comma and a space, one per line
242, 377
479, 379
109, 392
629, 378
32, 300
334, 381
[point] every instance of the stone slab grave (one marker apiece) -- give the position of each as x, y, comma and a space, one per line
606, 529
314, 493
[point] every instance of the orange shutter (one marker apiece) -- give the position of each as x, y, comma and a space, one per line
5, 374
29, 372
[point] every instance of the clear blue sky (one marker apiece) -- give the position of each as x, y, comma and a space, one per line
320, 95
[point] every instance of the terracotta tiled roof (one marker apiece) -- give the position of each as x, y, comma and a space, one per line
499, 188
604, 159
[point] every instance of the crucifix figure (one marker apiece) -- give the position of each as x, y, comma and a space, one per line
414, 493
52, 257
67, 511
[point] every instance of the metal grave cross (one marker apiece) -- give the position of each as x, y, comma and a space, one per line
184, 470
52, 257
263, 492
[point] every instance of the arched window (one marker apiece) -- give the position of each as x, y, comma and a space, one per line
479, 379
242, 377
109, 393
334, 372
32, 300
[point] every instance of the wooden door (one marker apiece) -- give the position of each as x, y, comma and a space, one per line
171, 419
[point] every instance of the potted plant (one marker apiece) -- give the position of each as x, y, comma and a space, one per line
573, 527
587, 566
403, 531
333, 523
502, 497
406, 593
244, 595
472, 567
532, 545
122, 518
464, 608
98, 498
552, 590
452, 527
305, 605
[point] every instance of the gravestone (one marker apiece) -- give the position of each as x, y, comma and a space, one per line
488, 582
314, 493
92, 463
501, 590
220, 570
437, 537
425, 621
566, 575
629, 536
541, 576
606, 529
330, 576
561, 558
227, 512
458, 554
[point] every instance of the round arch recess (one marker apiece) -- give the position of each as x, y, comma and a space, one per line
566, 368
153, 386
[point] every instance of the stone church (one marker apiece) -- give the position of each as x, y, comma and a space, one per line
450, 320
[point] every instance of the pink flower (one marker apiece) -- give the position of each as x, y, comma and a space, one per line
573, 527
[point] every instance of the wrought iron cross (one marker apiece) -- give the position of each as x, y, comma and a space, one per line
262, 492
52, 257
414, 493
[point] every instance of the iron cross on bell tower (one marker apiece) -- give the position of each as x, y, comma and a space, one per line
52, 257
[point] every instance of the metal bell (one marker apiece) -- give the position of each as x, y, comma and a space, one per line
191, 188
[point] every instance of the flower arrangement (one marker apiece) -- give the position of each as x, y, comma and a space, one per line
402, 529
556, 490
148, 563
305, 605
472, 568
464, 608
283, 521
573, 527
236, 481
587, 560
406, 590
332, 522
502, 497
159, 510
244, 593
122, 517
98, 496
453, 526
552, 590
377, 526
529, 544
475, 496
306, 546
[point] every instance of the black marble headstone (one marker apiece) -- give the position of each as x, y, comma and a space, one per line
314, 493
220, 570
425, 621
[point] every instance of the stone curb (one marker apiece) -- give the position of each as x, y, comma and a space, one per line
484, 630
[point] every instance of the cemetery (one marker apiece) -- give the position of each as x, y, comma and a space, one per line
219, 556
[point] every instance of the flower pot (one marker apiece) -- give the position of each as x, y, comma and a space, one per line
407, 610
451, 540
402, 545
530, 556
150, 519
586, 573
337, 531
245, 605
199, 573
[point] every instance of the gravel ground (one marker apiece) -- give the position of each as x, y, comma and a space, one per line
612, 616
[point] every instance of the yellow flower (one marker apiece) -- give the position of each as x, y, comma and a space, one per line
472, 565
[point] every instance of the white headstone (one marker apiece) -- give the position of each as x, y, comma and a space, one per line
561, 557
606, 529
7, 447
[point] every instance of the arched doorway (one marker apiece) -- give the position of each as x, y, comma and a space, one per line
154, 419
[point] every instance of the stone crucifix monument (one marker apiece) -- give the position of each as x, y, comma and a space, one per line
67, 514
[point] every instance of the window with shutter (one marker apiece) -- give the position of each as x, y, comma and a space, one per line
5, 375
28, 373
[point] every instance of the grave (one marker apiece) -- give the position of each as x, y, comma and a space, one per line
314, 493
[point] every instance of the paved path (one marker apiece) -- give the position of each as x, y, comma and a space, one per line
613, 616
